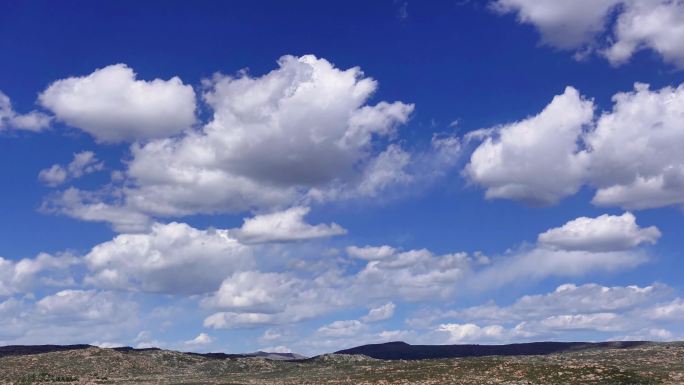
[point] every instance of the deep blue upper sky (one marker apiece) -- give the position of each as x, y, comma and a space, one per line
455, 60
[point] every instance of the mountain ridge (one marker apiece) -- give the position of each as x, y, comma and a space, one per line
399, 350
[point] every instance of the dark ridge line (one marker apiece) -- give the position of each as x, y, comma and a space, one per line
385, 351
25, 350
402, 351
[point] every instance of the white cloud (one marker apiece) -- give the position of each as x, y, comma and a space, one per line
595, 321
413, 275
563, 24
172, 258
27, 274
371, 253
284, 226
272, 138
254, 292
600, 234
89, 206
301, 134
231, 320
566, 299
380, 313
540, 263
630, 154
201, 340
84, 162
587, 25
672, 311
88, 306
339, 329
113, 106
635, 158
571, 311
508, 162
10, 119
67, 316
657, 25
459, 333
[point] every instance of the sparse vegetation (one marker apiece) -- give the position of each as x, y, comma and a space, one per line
646, 364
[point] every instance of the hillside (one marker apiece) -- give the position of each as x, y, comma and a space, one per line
646, 363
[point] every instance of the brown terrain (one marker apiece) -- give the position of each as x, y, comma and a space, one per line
644, 363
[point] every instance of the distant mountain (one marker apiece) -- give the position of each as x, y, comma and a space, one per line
23, 350
404, 351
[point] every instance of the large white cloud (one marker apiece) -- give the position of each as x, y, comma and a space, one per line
588, 25
172, 258
603, 233
635, 158
536, 159
10, 119
272, 139
629, 154
301, 134
113, 106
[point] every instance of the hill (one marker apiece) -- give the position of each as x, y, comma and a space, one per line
403, 351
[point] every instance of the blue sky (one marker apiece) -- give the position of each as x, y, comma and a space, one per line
216, 176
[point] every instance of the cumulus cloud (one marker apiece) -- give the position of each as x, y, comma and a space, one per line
112, 105
67, 316
284, 226
172, 258
371, 253
301, 134
27, 274
508, 162
85, 306
459, 333
413, 275
601, 234
84, 162
657, 25
254, 292
635, 162
272, 138
629, 154
563, 24
587, 25
201, 340
380, 313
10, 119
